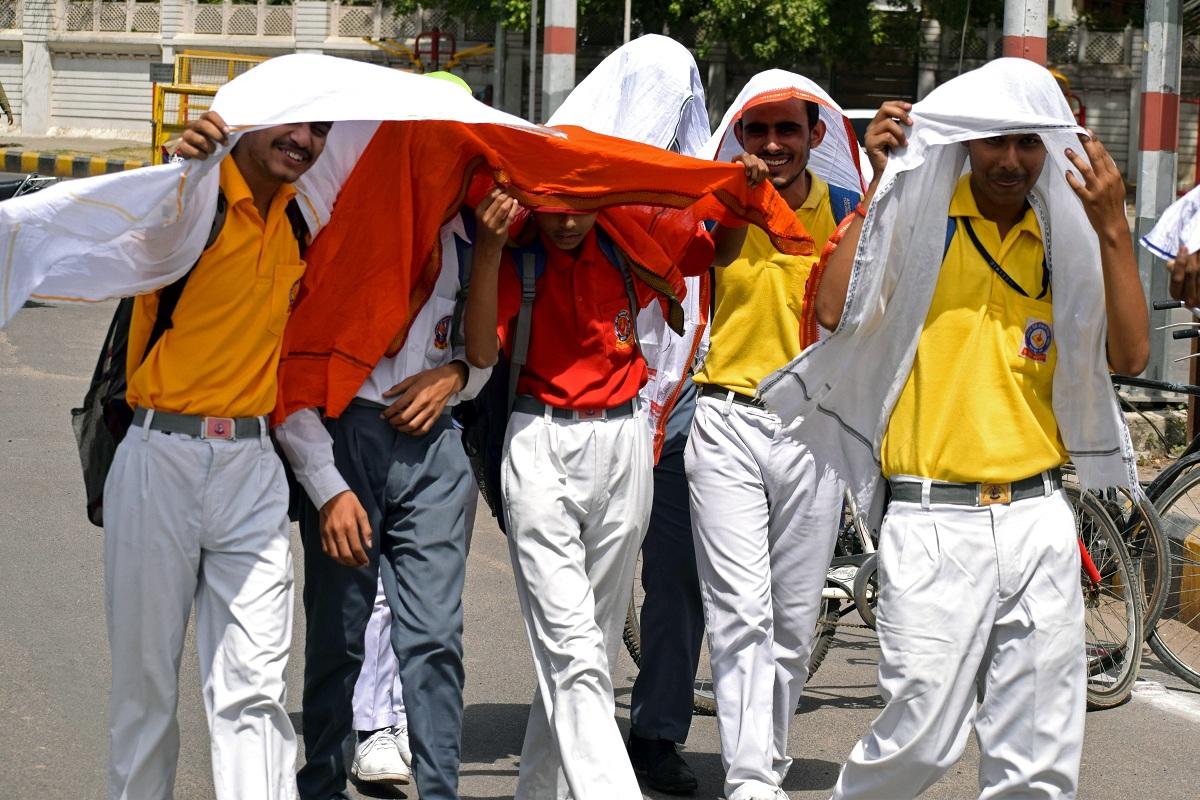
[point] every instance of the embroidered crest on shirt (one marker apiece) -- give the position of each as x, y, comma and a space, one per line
1038, 338
441, 333
293, 294
623, 328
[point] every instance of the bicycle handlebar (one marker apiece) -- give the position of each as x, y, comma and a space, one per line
1166, 305
1162, 386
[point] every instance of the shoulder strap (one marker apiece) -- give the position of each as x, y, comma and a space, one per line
168, 298
465, 249
619, 260
520, 345
842, 202
299, 226
951, 227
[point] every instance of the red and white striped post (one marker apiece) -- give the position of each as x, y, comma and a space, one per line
558, 55
1158, 140
1025, 29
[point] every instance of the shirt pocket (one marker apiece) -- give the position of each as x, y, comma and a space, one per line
1028, 336
284, 287
439, 345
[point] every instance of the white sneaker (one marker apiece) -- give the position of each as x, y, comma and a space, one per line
400, 732
378, 760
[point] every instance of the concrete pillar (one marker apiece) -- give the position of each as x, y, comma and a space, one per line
1063, 11
311, 25
717, 89
36, 21
1025, 29
931, 49
172, 15
558, 55
1158, 137
514, 71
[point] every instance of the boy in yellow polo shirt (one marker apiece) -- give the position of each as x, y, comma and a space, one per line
980, 612
195, 505
764, 512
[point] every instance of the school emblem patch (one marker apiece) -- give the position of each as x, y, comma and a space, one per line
441, 333
293, 294
1038, 338
623, 328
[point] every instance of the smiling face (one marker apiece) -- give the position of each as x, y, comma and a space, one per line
781, 134
1004, 170
564, 231
284, 152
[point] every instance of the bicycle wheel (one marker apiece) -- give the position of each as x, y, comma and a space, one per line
1176, 637
1141, 531
1112, 606
866, 590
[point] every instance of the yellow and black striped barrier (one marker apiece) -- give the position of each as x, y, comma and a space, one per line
62, 166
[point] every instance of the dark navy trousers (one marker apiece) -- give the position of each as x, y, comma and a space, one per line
672, 614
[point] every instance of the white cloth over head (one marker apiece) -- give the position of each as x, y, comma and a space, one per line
1178, 225
845, 387
133, 232
834, 160
648, 91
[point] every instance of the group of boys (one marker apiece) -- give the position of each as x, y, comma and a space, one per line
580, 317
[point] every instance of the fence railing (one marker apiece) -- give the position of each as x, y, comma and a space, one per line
241, 18
108, 16
10, 15
1074, 45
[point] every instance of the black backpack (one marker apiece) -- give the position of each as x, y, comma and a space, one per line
102, 422
484, 420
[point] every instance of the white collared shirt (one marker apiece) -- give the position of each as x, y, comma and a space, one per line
430, 344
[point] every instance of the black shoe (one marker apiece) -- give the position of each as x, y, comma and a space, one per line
660, 765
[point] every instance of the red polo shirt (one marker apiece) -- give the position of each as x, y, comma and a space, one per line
582, 353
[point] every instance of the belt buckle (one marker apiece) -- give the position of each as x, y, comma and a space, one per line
218, 428
995, 494
592, 413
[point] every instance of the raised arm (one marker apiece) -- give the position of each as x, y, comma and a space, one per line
885, 133
729, 241
493, 216
1103, 195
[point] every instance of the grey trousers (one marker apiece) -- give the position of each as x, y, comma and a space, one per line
414, 490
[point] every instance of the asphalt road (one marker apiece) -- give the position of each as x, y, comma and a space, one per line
54, 663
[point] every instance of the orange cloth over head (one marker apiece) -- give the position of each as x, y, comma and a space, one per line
375, 264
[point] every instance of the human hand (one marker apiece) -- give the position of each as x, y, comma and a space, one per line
202, 136
10, 117
493, 216
1102, 190
886, 133
345, 530
756, 168
420, 398
1185, 277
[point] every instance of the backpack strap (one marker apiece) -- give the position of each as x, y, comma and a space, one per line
466, 255
520, 348
951, 227
299, 226
168, 298
618, 259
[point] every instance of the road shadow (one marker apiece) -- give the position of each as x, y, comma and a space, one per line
806, 774
492, 732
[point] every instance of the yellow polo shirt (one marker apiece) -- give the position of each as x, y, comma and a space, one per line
759, 298
221, 355
977, 405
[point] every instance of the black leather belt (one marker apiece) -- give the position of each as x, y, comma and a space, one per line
227, 428
718, 392
976, 494
529, 405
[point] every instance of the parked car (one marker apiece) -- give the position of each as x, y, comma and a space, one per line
860, 118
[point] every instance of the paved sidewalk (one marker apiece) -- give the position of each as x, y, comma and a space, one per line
71, 156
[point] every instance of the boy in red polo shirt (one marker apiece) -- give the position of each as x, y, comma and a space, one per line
577, 476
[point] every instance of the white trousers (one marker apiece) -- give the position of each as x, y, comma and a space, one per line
577, 495
378, 700
764, 517
189, 521
980, 625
